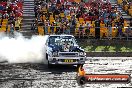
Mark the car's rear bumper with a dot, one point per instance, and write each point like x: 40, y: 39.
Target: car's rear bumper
x: 67, y: 60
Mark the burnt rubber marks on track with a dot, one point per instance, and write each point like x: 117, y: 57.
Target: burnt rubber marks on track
x: 39, y: 76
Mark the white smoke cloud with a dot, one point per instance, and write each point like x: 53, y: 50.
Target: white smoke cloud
x: 22, y: 50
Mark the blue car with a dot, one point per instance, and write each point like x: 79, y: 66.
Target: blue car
x: 63, y: 49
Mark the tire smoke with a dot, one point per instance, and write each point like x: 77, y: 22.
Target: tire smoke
x: 22, y: 50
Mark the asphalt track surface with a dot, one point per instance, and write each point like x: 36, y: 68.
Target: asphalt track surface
x: 36, y: 75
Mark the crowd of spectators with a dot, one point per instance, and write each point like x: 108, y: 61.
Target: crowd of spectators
x: 10, y: 15
x: 126, y: 6
x: 79, y: 18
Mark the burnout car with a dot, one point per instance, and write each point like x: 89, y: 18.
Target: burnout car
x: 63, y: 49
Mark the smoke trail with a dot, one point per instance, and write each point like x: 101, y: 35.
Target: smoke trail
x: 22, y: 50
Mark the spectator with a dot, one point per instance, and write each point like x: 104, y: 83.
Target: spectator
x: 87, y: 31
x: 57, y: 26
x: 56, y: 12
x: 131, y: 23
x: 81, y: 30
x: 17, y: 24
x: 64, y: 29
x: 11, y: 28
x: 68, y: 29
x: 33, y: 26
x: 36, y: 11
x: 52, y: 28
x: 66, y: 11
x: 46, y: 28
x: 120, y: 31
x: 106, y: 21
x: 73, y: 21
x: 61, y: 29
x: 128, y: 32
x: 6, y: 15
x: 121, y: 20
x: 110, y: 31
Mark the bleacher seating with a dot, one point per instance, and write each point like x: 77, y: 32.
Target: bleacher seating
x: 15, y: 10
x: 84, y: 19
x: 126, y: 7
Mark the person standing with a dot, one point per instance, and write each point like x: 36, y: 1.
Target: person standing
x: 12, y: 29
x: 46, y: 28
x: 97, y: 29
x: 87, y: 31
x: 52, y: 28
x: 110, y: 31
x: 17, y: 24
x: 33, y: 26
x: 81, y: 30
x: 120, y: 31
x: 128, y: 32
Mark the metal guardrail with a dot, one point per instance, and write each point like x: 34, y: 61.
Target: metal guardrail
x: 109, y: 54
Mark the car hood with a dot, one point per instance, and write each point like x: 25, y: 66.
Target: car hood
x: 75, y: 48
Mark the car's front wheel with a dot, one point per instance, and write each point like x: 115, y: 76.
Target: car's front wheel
x: 49, y: 65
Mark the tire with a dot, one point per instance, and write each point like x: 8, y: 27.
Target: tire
x: 49, y: 65
x: 46, y: 56
x: 81, y: 80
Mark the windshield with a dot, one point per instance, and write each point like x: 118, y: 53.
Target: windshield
x: 62, y: 40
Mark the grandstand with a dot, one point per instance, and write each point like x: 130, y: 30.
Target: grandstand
x: 77, y: 17
x: 11, y: 13
x: 67, y: 17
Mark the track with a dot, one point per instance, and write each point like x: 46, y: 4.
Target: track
x: 33, y: 75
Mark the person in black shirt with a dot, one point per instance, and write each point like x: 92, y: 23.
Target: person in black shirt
x: 97, y: 29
